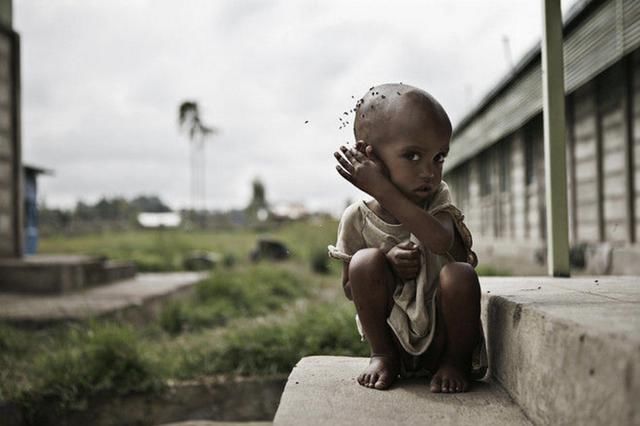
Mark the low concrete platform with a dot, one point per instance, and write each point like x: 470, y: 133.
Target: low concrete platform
x: 566, y: 349
x: 323, y: 391
x: 133, y: 300
x: 59, y: 274
x: 561, y: 351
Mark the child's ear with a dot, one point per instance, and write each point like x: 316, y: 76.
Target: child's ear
x: 369, y: 152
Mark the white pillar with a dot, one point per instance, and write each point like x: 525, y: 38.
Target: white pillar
x: 554, y: 140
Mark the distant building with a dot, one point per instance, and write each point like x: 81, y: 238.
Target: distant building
x: 496, y: 163
x: 289, y: 211
x: 159, y: 220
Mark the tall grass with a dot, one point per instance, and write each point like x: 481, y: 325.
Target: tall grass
x: 228, y: 294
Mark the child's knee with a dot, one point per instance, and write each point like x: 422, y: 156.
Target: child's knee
x: 367, y: 262
x: 459, y: 279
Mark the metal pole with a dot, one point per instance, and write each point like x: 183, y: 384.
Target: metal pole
x: 554, y: 140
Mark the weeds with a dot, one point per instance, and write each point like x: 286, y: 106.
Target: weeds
x: 229, y: 294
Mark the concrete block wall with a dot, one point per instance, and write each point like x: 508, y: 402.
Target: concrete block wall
x: 635, y: 134
x: 603, y: 168
x: 8, y: 184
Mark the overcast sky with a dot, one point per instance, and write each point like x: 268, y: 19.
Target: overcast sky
x: 102, y: 81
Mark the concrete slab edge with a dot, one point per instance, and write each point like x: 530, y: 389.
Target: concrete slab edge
x: 559, y: 371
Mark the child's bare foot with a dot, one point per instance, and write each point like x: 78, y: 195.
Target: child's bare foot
x: 449, y: 379
x: 381, y: 372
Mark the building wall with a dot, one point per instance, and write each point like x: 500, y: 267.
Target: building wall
x: 602, y: 82
x: 634, y: 118
x: 505, y: 199
x: 10, y: 167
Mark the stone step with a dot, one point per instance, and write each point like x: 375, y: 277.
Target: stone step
x: 134, y: 300
x: 110, y: 271
x: 212, y: 423
x: 59, y: 274
x: 566, y: 350
x: 322, y: 390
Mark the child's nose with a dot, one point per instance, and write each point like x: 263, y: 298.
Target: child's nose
x: 426, y: 172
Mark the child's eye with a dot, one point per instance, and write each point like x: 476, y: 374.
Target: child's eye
x: 412, y: 156
x: 440, y: 158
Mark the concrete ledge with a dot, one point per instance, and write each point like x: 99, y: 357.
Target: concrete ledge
x: 323, y: 391
x: 567, y: 350
x: 59, y: 274
x: 136, y: 300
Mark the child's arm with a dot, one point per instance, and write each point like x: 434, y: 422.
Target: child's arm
x: 366, y: 173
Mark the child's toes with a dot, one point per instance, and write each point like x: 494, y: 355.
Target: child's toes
x: 436, y: 384
x: 373, y: 380
x: 445, y: 385
x: 361, y: 379
x: 383, y: 381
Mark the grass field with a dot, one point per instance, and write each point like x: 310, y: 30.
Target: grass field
x: 244, y: 319
x: 164, y: 250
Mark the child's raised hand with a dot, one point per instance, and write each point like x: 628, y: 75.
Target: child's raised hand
x: 405, y: 260
x: 362, y: 167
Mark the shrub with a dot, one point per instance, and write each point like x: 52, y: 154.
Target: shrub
x: 319, y: 260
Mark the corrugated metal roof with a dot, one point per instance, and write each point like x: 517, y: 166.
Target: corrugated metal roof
x: 597, y: 34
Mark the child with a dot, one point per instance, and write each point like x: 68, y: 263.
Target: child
x: 408, y: 263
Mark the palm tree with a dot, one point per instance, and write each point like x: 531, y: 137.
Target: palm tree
x: 189, y: 121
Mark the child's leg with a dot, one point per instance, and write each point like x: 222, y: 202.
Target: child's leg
x: 372, y: 285
x: 459, y: 305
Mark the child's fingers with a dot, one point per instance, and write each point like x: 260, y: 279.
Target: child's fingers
x: 348, y: 153
x: 343, y: 162
x: 408, y: 245
x: 352, y: 154
x: 408, y: 254
x: 344, y: 173
x: 407, y: 263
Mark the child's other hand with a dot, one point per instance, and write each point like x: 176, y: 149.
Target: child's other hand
x: 362, y: 168
x: 405, y: 260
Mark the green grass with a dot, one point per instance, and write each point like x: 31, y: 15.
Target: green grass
x: 241, y: 320
x: 324, y: 329
x: 228, y: 294
x: 76, y: 363
x: 492, y: 271
x: 164, y: 250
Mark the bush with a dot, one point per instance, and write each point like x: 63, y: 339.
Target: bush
x: 319, y: 260
x: 229, y: 260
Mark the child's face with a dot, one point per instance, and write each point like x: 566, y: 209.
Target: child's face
x: 414, y: 153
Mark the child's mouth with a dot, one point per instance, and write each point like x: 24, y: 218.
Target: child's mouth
x: 423, y: 190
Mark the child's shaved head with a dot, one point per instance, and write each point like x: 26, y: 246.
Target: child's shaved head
x: 389, y: 109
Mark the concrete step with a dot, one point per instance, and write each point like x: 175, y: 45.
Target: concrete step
x: 212, y: 423
x: 59, y: 274
x: 134, y: 300
x: 566, y: 350
x: 109, y: 271
x: 322, y: 390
